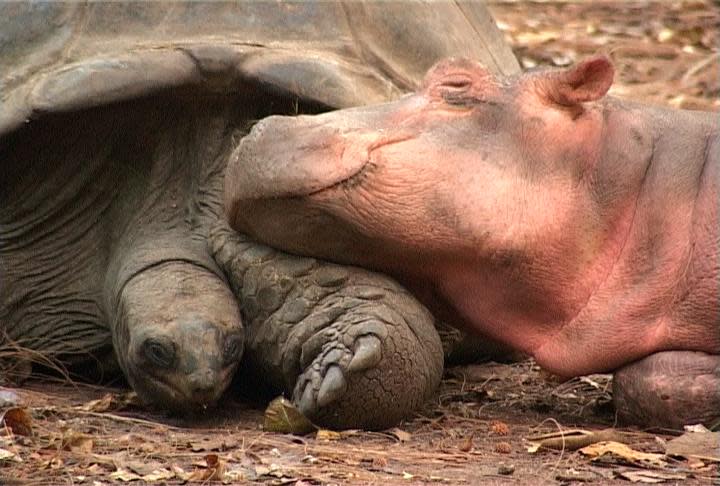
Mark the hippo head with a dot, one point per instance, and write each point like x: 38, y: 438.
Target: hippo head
x: 465, y: 168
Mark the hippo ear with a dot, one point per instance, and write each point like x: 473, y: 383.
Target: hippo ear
x: 588, y: 80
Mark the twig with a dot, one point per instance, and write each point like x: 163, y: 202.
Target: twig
x: 116, y: 418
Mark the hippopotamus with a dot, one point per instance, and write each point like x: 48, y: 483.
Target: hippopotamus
x: 574, y: 226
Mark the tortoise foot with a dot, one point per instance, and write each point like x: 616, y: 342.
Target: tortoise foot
x: 669, y: 389
x: 352, y: 347
x: 366, y: 370
x: 325, y: 381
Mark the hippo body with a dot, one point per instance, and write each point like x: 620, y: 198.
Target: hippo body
x: 573, y: 226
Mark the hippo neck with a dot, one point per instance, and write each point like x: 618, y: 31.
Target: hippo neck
x: 608, y: 295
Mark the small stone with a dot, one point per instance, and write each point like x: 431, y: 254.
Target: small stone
x: 8, y: 398
x: 506, y: 469
x: 572, y: 475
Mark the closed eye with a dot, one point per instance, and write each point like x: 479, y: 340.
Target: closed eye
x: 457, y: 84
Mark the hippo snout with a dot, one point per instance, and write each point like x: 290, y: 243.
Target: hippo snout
x: 285, y: 157
x: 278, y: 136
x: 276, y: 125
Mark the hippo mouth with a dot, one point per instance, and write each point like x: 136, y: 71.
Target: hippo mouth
x: 308, y: 161
x: 349, y: 182
x: 283, y: 157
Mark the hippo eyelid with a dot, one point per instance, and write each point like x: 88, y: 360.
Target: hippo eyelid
x: 457, y: 83
x: 460, y: 98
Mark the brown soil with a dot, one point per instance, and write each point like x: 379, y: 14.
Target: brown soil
x: 476, y: 430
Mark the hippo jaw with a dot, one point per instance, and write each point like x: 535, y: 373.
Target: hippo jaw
x: 179, y: 337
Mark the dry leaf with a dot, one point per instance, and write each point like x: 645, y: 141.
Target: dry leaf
x: 110, y: 401
x: 696, y: 428
x: 214, y: 470
x: 571, y: 440
x: 18, y: 420
x: 282, y: 416
x: 324, y: 434
x: 76, y: 442
x: 142, y: 468
x: 95, y: 470
x: 180, y: 473
x: 6, y: 455
x: 125, y: 476
x: 272, y: 470
x: 101, y: 405
x: 400, y: 434
x: 651, y: 476
x: 535, y: 37
x: 219, y: 444
x: 665, y: 35
x: 235, y: 475
x: 161, y: 474
x: 467, y: 444
x: 625, y: 454
x: 697, y: 445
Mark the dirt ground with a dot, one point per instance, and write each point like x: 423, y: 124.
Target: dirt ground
x: 482, y: 422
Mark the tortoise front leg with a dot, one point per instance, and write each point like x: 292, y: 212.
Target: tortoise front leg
x: 352, y: 347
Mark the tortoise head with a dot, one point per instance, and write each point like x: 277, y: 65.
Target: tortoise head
x: 178, y: 336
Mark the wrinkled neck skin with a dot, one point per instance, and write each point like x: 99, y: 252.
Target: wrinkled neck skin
x: 161, y: 284
x: 621, y: 265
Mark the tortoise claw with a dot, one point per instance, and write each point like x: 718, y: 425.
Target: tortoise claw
x: 306, y: 404
x: 368, y: 353
x: 333, y: 386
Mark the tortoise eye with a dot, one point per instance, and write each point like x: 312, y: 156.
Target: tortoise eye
x: 233, y: 350
x: 159, y: 353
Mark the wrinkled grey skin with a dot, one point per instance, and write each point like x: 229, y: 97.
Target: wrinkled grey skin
x: 116, y: 122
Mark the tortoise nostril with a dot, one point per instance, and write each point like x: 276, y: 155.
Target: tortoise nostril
x: 202, y: 383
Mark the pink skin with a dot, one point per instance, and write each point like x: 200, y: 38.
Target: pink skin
x: 575, y: 227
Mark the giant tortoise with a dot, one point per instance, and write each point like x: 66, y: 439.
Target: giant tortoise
x: 116, y: 122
